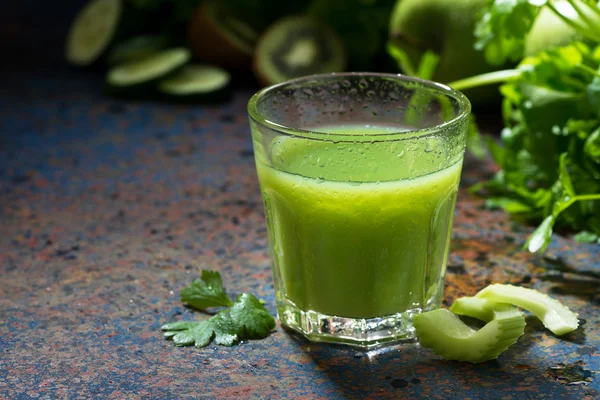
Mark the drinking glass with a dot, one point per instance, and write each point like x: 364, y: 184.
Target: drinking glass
x: 359, y: 174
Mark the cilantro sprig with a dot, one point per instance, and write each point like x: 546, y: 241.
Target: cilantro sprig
x: 246, y: 318
x: 206, y: 292
x: 550, y: 147
x: 504, y: 25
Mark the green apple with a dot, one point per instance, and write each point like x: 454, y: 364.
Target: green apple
x: 445, y: 27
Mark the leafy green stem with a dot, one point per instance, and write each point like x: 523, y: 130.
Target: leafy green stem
x: 594, y: 7
x: 591, y: 24
x: 587, y: 197
x: 485, y: 79
x: 427, y: 65
x: 589, y: 70
x: 581, y: 29
x: 401, y: 58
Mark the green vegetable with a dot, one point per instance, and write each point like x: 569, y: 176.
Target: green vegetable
x: 445, y: 28
x: 206, y: 292
x: 246, y: 319
x: 550, y: 155
x: 197, y: 83
x: 251, y: 318
x: 443, y: 332
x: 555, y: 316
x: 547, y: 20
x: 136, y: 47
x: 219, y: 327
x: 92, y: 31
x: 587, y: 237
x: 504, y: 28
x: 144, y: 73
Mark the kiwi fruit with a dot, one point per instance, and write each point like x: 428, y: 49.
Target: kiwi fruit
x: 297, y: 46
x: 218, y: 37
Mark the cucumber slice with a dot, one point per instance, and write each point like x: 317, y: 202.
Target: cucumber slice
x: 196, y: 82
x: 135, y: 48
x: 92, y: 31
x: 444, y: 333
x: 145, y: 72
x: 555, y: 316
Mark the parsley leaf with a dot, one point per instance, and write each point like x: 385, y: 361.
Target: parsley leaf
x: 503, y: 28
x: 593, y: 93
x: 246, y: 319
x: 206, y: 292
x: 587, y: 237
x: 225, y: 329
x: 251, y: 317
x: 186, y: 333
x: 219, y: 327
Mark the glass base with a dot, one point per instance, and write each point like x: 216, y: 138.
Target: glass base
x: 357, y: 332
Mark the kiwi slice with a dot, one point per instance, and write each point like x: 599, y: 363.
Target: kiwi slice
x: 92, y: 31
x: 297, y: 46
x: 218, y: 37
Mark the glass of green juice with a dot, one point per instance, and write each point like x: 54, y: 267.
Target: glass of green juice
x: 359, y: 174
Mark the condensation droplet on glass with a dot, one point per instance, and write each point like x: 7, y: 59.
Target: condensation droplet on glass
x: 370, y: 93
x: 430, y: 145
x: 346, y: 83
x: 363, y: 84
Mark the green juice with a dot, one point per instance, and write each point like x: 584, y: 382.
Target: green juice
x: 358, y: 230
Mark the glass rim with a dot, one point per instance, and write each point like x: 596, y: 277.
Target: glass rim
x: 462, y: 100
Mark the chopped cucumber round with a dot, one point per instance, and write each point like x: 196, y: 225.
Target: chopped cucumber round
x: 555, y: 316
x: 92, y: 31
x: 444, y: 333
x: 146, y: 71
x: 136, y: 47
x: 200, y: 82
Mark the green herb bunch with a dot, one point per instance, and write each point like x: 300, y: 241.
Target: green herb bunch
x: 246, y: 318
